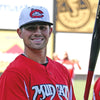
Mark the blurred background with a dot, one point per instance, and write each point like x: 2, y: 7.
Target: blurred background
x: 72, y: 32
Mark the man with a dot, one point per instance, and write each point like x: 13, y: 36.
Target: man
x: 68, y: 64
x: 33, y: 75
x: 96, y: 90
x: 56, y: 58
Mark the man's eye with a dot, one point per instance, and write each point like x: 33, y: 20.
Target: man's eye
x: 31, y: 28
x: 43, y: 28
x: 35, y: 27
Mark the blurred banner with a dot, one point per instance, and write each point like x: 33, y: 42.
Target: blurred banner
x: 9, y: 13
x: 10, y: 47
x: 10, y: 10
x: 10, y: 42
x: 75, y: 15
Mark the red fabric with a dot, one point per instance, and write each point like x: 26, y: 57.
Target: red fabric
x: 25, y: 79
x: 97, y: 90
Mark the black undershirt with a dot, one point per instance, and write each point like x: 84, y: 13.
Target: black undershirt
x: 45, y: 64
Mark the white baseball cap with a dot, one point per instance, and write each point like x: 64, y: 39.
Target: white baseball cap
x: 34, y: 14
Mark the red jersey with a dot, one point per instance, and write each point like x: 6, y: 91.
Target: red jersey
x: 25, y: 79
x: 96, y: 91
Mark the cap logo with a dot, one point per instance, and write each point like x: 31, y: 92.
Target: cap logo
x: 36, y: 13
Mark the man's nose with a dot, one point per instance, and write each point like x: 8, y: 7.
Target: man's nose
x: 37, y: 30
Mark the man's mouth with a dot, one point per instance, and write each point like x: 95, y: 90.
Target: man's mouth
x: 37, y: 40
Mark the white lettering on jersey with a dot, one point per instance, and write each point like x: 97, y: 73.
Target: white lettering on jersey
x: 62, y: 91
x: 47, y: 90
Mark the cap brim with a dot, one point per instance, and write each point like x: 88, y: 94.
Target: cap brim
x: 36, y: 22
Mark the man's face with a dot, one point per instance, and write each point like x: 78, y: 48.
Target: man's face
x: 35, y: 36
x: 65, y: 55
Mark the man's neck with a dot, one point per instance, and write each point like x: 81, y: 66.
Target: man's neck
x: 37, y: 56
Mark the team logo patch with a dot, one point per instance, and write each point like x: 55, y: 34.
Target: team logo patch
x: 36, y: 13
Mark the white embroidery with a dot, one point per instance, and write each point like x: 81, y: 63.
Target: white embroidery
x: 46, y: 91
x: 70, y: 93
x: 49, y: 90
x: 26, y: 90
x: 62, y: 90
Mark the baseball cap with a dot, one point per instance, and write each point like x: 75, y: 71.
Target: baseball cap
x: 34, y: 14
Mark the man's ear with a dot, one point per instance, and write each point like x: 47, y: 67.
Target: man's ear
x: 19, y: 31
x: 50, y: 31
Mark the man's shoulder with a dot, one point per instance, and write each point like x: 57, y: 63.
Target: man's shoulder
x: 17, y: 63
x: 17, y: 66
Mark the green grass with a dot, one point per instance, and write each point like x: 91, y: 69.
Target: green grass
x: 79, y: 88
